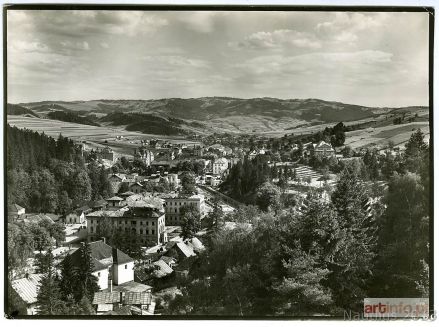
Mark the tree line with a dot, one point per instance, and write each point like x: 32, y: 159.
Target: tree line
x: 323, y: 258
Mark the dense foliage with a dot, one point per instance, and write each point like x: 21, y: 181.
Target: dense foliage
x: 145, y: 123
x: 325, y: 257
x: 48, y: 175
x: 71, y: 117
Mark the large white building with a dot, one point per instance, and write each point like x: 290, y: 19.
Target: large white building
x: 173, y: 207
x: 219, y: 166
x: 142, y: 216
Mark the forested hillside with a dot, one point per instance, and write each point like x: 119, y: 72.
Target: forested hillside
x: 14, y: 109
x: 71, y: 117
x: 48, y: 175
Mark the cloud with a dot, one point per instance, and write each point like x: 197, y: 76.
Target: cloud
x: 199, y: 21
x: 278, y: 39
x: 85, y: 23
x: 344, y: 27
x: 337, y: 67
x: 176, y: 61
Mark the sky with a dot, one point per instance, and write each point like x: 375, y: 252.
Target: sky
x: 373, y: 59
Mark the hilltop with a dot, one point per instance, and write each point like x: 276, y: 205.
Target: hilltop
x: 220, y: 114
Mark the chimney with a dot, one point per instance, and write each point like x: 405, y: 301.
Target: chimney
x: 110, y: 284
x: 103, y: 239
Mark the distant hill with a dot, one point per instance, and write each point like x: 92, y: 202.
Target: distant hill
x: 145, y: 123
x: 71, y: 117
x: 13, y: 109
x: 224, y: 114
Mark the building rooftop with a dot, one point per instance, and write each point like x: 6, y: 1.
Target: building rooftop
x: 27, y: 288
x: 114, y: 198
x: 102, y: 256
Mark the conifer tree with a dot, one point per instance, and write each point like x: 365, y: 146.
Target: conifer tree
x: 49, y: 296
x: 87, y: 283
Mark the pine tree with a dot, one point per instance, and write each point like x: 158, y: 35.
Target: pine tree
x: 87, y: 283
x: 352, y: 264
x: 49, y: 296
x: 68, y: 278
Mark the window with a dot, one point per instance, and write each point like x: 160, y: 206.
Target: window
x: 141, y: 231
x: 153, y: 223
x: 152, y: 232
x: 147, y: 231
x: 133, y: 222
x: 91, y: 229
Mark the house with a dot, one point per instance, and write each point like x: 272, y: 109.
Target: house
x: 15, y: 211
x: 183, y: 250
x: 144, y: 219
x: 108, y: 264
x: 162, y: 269
x: 77, y: 216
x: 27, y: 290
x: 106, y: 154
x: 173, y: 207
x: 219, y: 166
x: 198, y: 151
x: 255, y: 153
x: 117, y: 178
x: 114, y: 201
x: 173, y: 180
x: 136, y: 188
x: 323, y: 150
x: 122, y: 302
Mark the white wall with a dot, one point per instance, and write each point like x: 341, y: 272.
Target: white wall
x: 122, y: 275
x: 102, y: 279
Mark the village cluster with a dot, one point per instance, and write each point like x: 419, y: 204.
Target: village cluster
x: 154, y: 217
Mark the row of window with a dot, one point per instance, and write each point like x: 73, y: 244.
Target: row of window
x: 121, y: 222
x: 146, y: 231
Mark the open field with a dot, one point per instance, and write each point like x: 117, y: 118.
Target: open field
x: 380, y: 136
x: 97, y: 136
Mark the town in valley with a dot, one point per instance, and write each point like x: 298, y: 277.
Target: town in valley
x: 212, y: 206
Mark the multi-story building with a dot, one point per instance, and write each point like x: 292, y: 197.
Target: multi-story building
x: 323, y: 150
x: 106, y: 153
x: 143, y: 219
x: 173, y: 207
x: 219, y: 166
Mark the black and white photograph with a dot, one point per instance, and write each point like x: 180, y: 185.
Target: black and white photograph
x: 218, y: 162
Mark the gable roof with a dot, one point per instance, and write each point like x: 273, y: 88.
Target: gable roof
x: 102, y: 256
x: 186, y: 250
x: 196, y: 244
x: 323, y: 144
x: 164, y: 269
x: 106, y: 297
x: 27, y: 288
